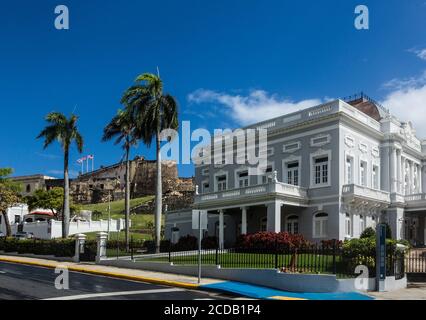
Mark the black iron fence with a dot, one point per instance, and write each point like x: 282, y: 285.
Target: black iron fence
x: 310, y: 260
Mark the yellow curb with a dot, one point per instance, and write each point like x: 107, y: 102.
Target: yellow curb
x: 104, y: 273
x: 285, y: 298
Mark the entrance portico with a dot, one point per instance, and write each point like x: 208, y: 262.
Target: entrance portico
x: 274, y: 216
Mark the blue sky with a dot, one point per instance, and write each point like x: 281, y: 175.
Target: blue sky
x: 228, y: 63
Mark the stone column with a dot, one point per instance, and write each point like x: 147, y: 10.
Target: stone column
x: 393, y: 170
x: 411, y: 178
x: 418, y: 178
x: 80, y: 240
x: 101, y: 240
x: 398, y: 166
x: 396, y: 222
x: 244, y: 220
x: 402, y: 174
x: 274, y: 216
x: 221, y: 230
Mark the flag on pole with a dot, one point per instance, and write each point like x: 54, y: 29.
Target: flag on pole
x: 91, y: 157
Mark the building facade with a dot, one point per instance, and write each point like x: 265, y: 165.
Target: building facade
x: 333, y: 170
x: 109, y: 182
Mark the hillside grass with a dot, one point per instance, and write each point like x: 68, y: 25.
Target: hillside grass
x: 139, y: 223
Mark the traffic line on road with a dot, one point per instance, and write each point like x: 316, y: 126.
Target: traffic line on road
x: 98, y: 272
x: 114, y: 294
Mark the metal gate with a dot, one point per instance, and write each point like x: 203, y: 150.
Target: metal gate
x: 88, y: 252
x: 415, y: 265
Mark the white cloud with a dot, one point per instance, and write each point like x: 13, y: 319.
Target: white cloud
x: 258, y: 105
x: 60, y: 173
x: 406, y: 83
x: 407, y: 101
x: 421, y: 53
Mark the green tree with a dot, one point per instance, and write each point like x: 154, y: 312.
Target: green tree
x: 154, y: 112
x: 122, y: 127
x: 52, y: 199
x: 65, y: 131
x: 9, y: 195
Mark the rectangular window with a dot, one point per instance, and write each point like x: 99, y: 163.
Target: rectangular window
x: 293, y: 173
x: 363, y: 173
x: 375, y: 177
x: 266, y: 178
x: 361, y: 224
x: 17, y: 219
x: 221, y: 183
x: 349, y: 170
x: 321, y: 171
x: 243, y: 179
x: 348, y: 225
x: 206, y: 187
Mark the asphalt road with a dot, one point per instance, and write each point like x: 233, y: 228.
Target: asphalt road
x: 21, y: 282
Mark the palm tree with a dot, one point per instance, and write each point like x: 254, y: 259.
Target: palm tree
x: 154, y: 111
x: 122, y: 128
x: 65, y: 131
x: 9, y: 196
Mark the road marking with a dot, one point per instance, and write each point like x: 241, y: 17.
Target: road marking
x: 285, y: 298
x: 2, y: 272
x: 114, y: 294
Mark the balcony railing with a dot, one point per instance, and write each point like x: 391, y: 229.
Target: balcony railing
x: 278, y: 188
x: 415, y: 197
x: 365, y: 192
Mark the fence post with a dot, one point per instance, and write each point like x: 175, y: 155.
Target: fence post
x: 170, y: 253
x: 131, y: 247
x: 101, y: 246
x: 334, y: 256
x: 276, y: 253
x: 217, y: 255
x: 80, y: 240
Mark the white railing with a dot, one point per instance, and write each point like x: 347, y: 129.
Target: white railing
x: 365, y: 192
x: 415, y: 197
x: 272, y: 187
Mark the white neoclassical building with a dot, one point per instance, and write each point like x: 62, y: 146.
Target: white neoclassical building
x: 333, y: 170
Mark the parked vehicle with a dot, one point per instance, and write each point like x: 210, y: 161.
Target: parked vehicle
x: 2, y: 235
x: 24, y: 235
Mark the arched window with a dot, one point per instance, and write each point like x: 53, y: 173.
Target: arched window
x: 264, y: 224
x: 348, y: 225
x: 320, y: 225
x: 293, y: 224
x: 28, y: 188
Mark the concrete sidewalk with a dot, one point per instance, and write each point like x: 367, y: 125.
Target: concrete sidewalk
x: 187, y: 282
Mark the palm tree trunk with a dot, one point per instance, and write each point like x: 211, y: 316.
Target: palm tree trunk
x: 158, y: 198
x: 66, y: 207
x: 127, y: 198
x: 7, y: 223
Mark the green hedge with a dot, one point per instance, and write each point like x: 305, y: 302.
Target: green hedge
x: 367, y: 246
x: 57, y: 248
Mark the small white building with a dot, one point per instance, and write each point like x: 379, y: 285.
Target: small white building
x: 15, y: 214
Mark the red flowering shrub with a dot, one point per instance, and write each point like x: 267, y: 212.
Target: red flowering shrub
x: 271, y: 240
x: 329, y: 244
x: 186, y: 243
x: 209, y: 243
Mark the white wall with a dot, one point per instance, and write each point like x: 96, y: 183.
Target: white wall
x: 19, y: 210
x: 53, y: 229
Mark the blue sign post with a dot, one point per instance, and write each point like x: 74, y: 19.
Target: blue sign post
x: 380, y: 257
